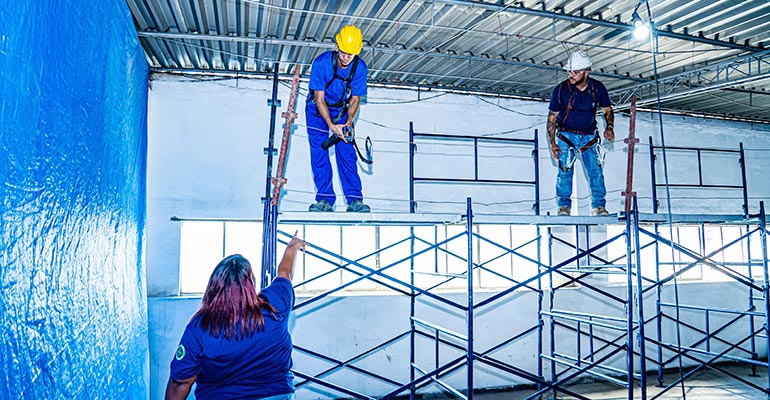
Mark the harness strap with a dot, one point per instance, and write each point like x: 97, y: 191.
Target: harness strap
x: 346, y: 95
x: 572, y: 99
x: 584, y: 148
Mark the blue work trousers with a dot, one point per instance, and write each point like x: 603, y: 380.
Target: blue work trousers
x: 590, y: 159
x: 347, y: 167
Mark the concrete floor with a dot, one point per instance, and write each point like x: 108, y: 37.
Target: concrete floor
x: 705, y: 385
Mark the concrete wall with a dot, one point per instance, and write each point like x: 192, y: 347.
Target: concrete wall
x: 206, y: 160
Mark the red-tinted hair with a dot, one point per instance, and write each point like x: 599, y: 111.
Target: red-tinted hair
x: 231, y: 305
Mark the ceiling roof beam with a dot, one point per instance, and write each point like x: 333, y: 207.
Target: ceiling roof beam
x: 741, y: 70
x: 598, y: 22
x: 372, y: 50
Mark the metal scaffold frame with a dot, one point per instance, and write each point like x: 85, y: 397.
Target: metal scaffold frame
x: 600, y: 341
x: 644, y: 346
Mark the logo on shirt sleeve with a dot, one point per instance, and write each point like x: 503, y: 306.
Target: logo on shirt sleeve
x: 180, y: 352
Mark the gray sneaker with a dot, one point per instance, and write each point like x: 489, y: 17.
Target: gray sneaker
x: 564, y: 211
x: 321, y: 206
x: 600, y: 212
x: 358, y: 206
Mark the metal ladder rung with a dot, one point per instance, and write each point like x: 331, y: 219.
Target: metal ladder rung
x: 442, y: 274
x: 603, y: 266
x: 439, y: 329
x: 588, y: 271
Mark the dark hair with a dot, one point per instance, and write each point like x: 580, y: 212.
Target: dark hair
x: 231, y: 305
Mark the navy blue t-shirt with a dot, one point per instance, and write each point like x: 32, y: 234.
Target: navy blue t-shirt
x: 322, y: 72
x: 251, y: 367
x: 582, y: 116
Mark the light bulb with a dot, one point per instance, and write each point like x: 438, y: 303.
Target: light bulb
x: 641, y: 30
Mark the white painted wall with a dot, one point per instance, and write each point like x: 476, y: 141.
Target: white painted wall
x: 206, y: 160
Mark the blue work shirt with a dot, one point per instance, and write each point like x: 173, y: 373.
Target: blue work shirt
x: 322, y: 72
x: 250, y: 367
x: 582, y: 116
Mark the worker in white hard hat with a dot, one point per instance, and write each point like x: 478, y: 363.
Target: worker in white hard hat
x: 573, y: 133
x: 337, y: 83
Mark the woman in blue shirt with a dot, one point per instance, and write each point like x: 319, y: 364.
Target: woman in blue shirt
x: 238, y: 345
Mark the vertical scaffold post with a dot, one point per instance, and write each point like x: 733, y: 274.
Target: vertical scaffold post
x: 654, y: 187
x: 551, y: 326
x: 640, y: 306
x: 268, y: 255
x: 629, y: 311
x: 742, y: 161
x: 412, y: 299
x: 751, y: 306
x: 289, y: 116
x: 658, y: 307
x: 535, y: 155
x: 631, y: 141
x: 412, y: 148
x: 538, y: 242
x: 469, y: 354
x: 766, y: 286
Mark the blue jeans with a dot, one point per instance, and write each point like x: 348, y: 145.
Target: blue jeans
x: 347, y: 160
x: 592, y: 168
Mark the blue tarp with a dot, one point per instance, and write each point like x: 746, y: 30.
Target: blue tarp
x: 73, y: 146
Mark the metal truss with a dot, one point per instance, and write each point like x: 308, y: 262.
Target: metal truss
x: 738, y: 71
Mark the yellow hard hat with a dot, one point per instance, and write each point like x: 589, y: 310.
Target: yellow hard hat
x: 349, y: 39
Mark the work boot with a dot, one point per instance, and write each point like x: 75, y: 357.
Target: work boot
x: 321, y: 206
x: 564, y: 211
x: 358, y: 206
x: 600, y: 212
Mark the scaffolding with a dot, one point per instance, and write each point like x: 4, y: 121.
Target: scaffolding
x: 620, y: 346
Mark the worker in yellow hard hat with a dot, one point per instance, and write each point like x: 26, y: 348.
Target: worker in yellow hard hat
x: 337, y: 83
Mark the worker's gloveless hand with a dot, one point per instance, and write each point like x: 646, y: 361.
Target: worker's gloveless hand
x: 555, y: 151
x: 296, y: 242
x: 337, y: 130
x: 609, y: 134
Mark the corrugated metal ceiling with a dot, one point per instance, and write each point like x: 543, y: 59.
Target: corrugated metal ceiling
x: 713, y: 52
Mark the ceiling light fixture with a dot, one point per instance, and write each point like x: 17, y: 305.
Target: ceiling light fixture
x: 641, y: 30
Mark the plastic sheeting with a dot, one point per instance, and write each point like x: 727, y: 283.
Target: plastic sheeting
x: 73, y: 137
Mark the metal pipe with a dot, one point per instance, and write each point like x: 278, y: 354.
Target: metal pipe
x: 469, y: 231
x: 412, y: 297
x: 640, y: 307
x: 629, y: 302
x: 766, y: 286
x: 267, y: 256
x: 439, y: 328
x: 540, y: 296
x: 551, y: 327
x: 598, y: 22
x: 742, y: 162
x: 535, y: 155
x: 654, y: 188
x: 631, y: 141
x: 412, y: 149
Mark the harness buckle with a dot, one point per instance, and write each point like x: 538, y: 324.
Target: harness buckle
x: 601, y: 153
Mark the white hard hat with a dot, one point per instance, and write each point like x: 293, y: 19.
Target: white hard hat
x: 578, y: 60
